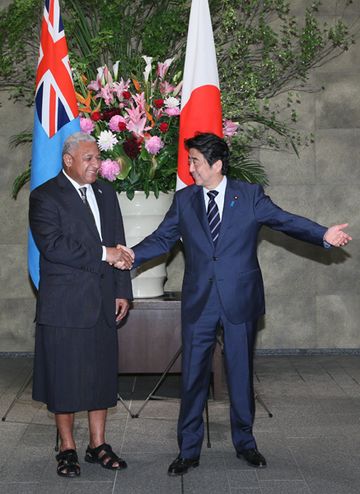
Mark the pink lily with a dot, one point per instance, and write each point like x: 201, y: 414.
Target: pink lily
x: 137, y: 121
x: 162, y: 68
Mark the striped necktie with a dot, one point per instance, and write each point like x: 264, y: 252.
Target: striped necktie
x: 213, y: 215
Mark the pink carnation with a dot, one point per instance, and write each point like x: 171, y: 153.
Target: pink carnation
x: 230, y: 128
x: 154, y: 144
x: 109, y: 169
x: 172, y: 112
x: 86, y: 125
x: 115, y: 121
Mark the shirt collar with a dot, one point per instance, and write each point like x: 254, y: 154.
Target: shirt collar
x: 220, y: 188
x: 74, y: 183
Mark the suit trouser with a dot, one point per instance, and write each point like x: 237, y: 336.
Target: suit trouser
x: 198, y: 340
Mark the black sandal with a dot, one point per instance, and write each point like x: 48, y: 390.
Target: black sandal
x: 68, y: 463
x: 104, y: 455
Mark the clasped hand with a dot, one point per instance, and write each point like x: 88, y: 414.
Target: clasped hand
x: 120, y: 257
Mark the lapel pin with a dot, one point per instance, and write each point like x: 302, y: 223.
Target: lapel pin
x: 233, y: 201
x: 100, y: 191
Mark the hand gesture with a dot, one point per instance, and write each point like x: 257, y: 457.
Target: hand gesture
x: 120, y: 257
x: 336, y: 236
x: 130, y: 252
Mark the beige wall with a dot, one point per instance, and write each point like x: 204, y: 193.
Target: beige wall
x: 312, y: 295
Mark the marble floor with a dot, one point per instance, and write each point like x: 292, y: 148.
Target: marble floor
x: 312, y: 442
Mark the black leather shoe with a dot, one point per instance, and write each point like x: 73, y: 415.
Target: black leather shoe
x: 252, y: 457
x: 180, y: 466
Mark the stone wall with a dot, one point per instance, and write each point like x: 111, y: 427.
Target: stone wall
x: 312, y: 294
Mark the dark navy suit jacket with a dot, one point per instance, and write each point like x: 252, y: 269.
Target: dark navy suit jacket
x: 74, y: 282
x: 232, y: 264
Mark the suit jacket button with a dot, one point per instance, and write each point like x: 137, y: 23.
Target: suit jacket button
x: 215, y: 258
x: 210, y: 279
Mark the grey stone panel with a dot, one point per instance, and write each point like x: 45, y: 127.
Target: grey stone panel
x: 305, y: 110
x: 290, y: 322
x: 287, y: 264
x: 18, y: 117
x: 338, y: 106
x: 330, y: 7
x: 337, y: 320
x: 297, y: 199
x: 17, y: 331
x: 337, y: 156
x: 340, y: 271
x: 286, y: 168
x: 13, y: 162
x: 13, y: 272
x: 338, y: 204
x: 14, y: 219
x: 346, y: 63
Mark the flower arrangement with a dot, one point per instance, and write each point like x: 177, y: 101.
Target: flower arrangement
x: 135, y: 124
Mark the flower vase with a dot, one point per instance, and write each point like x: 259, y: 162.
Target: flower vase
x: 141, y: 216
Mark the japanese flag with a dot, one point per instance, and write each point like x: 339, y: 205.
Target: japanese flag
x: 200, y: 102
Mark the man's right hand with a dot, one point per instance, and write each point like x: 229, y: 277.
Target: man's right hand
x: 120, y: 256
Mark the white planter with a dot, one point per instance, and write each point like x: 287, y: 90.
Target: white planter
x: 141, y: 217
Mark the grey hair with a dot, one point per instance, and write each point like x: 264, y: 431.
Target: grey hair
x: 74, y: 140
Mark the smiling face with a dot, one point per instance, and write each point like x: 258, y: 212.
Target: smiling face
x: 204, y: 175
x: 83, y: 162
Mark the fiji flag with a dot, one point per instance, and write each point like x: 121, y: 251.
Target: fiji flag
x: 56, y: 112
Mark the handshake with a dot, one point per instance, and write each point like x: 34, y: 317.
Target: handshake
x: 120, y: 257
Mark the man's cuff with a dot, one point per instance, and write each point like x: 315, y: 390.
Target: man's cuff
x: 326, y: 244
x: 103, y: 258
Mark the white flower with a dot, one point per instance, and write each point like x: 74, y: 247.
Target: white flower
x: 106, y: 140
x: 100, y: 74
x: 171, y: 102
x: 116, y: 69
x: 147, y: 71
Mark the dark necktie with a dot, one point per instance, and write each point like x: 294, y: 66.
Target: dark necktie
x: 82, y: 191
x: 213, y: 215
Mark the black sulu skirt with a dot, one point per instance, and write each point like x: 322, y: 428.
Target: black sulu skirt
x: 76, y: 369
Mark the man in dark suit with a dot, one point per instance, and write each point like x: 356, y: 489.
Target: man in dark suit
x: 218, y: 220
x: 76, y: 222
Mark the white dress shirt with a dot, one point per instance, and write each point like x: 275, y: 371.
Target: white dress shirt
x: 90, y: 196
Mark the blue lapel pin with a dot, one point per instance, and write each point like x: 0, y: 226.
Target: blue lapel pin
x: 233, y: 201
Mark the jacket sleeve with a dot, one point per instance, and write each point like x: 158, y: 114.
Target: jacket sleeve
x: 54, y: 245
x: 163, y: 238
x: 268, y: 213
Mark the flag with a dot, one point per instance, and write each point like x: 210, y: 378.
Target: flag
x: 56, y: 112
x: 200, y: 101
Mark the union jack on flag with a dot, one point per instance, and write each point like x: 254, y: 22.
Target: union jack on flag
x: 55, y: 97
x: 56, y: 112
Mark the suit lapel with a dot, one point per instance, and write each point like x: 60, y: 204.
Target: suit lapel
x: 230, y: 206
x: 75, y: 204
x: 199, y: 208
x: 100, y: 202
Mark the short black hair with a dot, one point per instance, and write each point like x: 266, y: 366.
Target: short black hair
x: 212, y: 147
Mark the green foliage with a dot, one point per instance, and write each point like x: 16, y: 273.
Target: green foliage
x: 265, y: 55
x: 19, y: 47
x: 264, y: 51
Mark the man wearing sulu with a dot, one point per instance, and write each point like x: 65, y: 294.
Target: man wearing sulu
x: 218, y: 220
x: 76, y: 223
